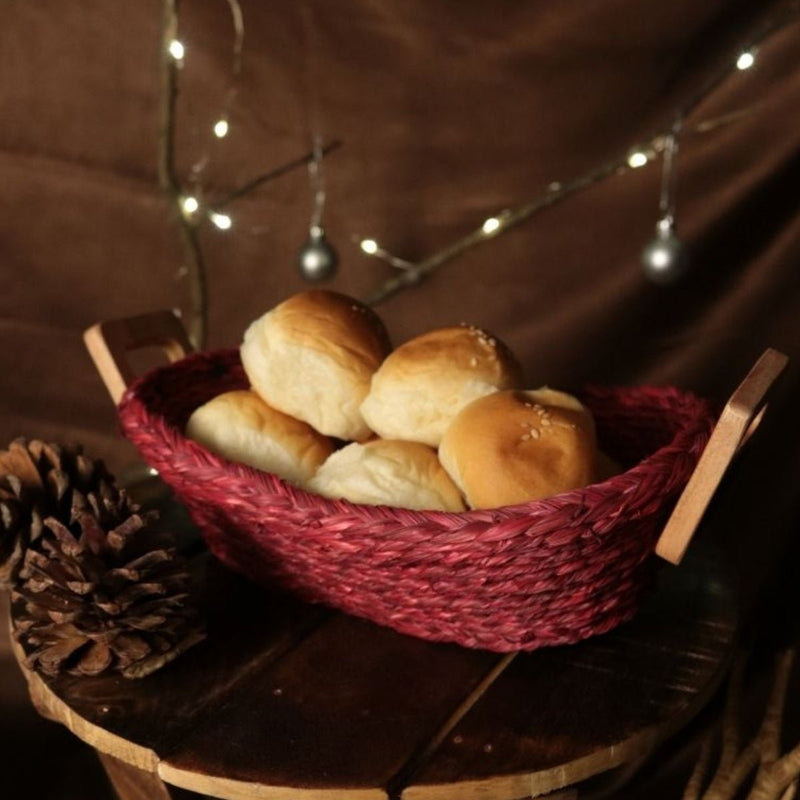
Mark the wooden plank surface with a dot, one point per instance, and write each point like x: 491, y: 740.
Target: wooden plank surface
x: 571, y: 712
x: 339, y: 715
x: 286, y: 700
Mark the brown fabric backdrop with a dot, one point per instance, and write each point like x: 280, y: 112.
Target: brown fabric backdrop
x: 447, y: 112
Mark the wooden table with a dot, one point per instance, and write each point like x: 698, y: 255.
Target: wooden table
x: 291, y: 701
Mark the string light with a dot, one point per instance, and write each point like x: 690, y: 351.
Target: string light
x: 411, y: 272
x: 190, y: 205
x: 637, y: 159
x: 491, y: 225
x: 558, y: 191
x: 221, y: 128
x: 745, y: 60
x: 222, y: 221
x: 177, y: 50
x: 372, y: 248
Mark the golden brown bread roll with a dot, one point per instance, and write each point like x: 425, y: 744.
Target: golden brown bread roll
x: 516, y: 446
x: 240, y: 426
x: 425, y: 382
x: 313, y: 355
x: 388, y: 472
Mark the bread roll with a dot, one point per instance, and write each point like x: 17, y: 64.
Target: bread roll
x: 240, y: 426
x: 388, y: 472
x: 425, y: 382
x: 514, y: 446
x: 312, y: 356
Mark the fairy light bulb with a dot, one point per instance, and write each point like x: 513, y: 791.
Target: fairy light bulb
x: 222, y: 221
x: 745, y: 60
x: 369, y: 246
x: 221, y: 128
x: 490, y: 226
x: 177, y: 50
x: 190, y: 205
x: 637, y: 159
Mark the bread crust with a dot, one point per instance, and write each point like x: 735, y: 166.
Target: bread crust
x: 516, y: 446
x: 241, y: 427
x: 426, y: 381
x: 388, y: 472
x: 313, y: 356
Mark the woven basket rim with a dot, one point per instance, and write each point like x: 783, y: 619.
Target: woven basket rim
x: 253, y: 479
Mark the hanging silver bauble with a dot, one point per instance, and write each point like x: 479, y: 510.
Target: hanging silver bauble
x: 665, y: 259
x: 317, y: 260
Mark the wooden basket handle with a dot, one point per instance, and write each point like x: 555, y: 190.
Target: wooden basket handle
x: 739, y: 419
x: 109, y: 342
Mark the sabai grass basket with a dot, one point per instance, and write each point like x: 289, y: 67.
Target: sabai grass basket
x: 543, y: 573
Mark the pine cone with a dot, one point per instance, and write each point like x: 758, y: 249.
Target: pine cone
x: 36, y: 481
x: 99, y: 587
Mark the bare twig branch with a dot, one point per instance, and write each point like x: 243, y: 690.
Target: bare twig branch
x: 195, y: 265
x: 776, y: 773
x: 277, y: 172
x: 776, y: 777
x: 694, y: 786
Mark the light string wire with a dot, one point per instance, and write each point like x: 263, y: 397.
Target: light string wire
x: 317, y: 180
x: 313, y: 112
x: 666, y: 200
x: 412, y: 273
x: 222, y: 123
x: 187, y: 206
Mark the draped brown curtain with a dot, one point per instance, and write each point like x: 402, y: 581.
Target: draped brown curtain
x: 447, y: 112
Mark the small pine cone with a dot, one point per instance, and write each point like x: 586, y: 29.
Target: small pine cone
x: 93, y: 600
x: 39, y: 480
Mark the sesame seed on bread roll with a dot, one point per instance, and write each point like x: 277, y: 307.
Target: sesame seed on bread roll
x: 388, y: 472
x: 516, y: 446
x: 423, y: 384
x: 313, y: 355
x: 241, y: 427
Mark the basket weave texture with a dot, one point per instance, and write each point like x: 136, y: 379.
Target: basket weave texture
x: 549, y: 572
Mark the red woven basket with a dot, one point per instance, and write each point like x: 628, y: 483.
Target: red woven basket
x: 520, y: 577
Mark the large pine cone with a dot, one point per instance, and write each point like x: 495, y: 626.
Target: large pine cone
x: 37, y: 480
x: 98, y: 587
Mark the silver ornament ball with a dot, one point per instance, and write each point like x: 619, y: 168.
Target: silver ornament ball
x: 317, y: 260
x: 665, y: 259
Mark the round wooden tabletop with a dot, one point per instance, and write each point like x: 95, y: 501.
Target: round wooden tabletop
x: 292, y: 701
